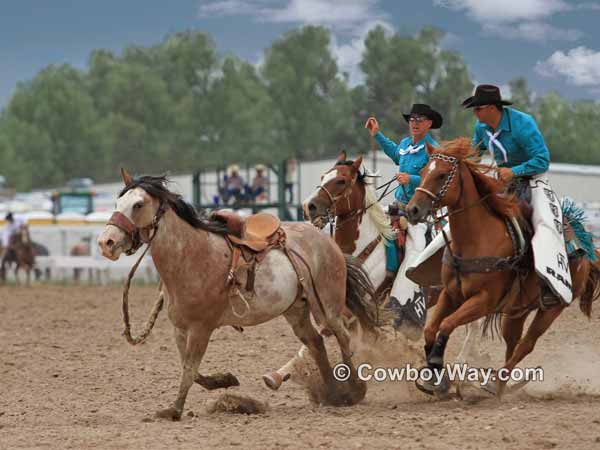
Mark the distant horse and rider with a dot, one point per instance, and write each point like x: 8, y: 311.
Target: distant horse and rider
x: 17, y: 249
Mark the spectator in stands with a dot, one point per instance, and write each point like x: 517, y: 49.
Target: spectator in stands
x: 290, y: 175
x: 258, y: 190
x: 234, y: 185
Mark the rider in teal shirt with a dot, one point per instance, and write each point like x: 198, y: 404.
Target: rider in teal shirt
x: 410, y: 159
x: 511, y: 136
x: 410, y: 156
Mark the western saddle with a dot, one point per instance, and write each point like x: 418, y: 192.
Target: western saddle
x: 254, y: 232
x: 250, y: 239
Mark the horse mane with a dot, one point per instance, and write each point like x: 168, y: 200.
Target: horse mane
x: 156, y: 186
x: 505, y: 205
x: 376, y: 212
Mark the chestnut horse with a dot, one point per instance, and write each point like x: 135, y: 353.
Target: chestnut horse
x: 478, y: 212
x: 194, y: 256
x: 361, y: 228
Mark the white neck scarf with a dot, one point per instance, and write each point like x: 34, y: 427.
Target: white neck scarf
x: 494, y: 141
x: 410, y: 149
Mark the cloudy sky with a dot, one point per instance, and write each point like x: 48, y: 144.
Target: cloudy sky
x: 554, y: 43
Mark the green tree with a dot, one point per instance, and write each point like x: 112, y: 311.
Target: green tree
x: 241, y: 117
x: 57, y: 115
x: 521, y: 95
x: 401, y: 70
x: 302, y: 80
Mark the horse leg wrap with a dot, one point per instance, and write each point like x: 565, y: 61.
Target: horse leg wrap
x: 435, y: 358
x: 428, y: 348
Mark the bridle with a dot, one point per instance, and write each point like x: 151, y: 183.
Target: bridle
x: 342, y: 219
x: 332, y: 209
x: 123, y: 223
x: 437, y: 198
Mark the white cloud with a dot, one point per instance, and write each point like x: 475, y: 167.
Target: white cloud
x: 330, y: 13
x: 533, y: 31
x: 327, y: 12
x: 351, y: 21
x: 495, y: 11
x: 349, y: 55
x: 519, y: 19
x: 579, y: 66
x: 229, y: 7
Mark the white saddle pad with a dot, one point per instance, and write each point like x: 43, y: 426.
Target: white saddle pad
x: 548, y: 243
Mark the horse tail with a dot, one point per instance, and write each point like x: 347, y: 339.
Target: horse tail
x: 360, y: 295
x: 592, y: 287
x: 575, y: 217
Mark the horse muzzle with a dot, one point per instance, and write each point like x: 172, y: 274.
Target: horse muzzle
x: 416, y: 213
x: 112, y: 242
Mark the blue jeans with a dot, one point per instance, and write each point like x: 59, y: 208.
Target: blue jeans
x: 391, y: 256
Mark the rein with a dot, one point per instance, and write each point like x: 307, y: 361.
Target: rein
x: 480, y: 265
x: 123, y: 223
x: 332, y: 216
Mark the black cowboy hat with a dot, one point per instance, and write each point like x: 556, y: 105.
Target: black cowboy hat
x: 427, y: 111
x: 485, y: 94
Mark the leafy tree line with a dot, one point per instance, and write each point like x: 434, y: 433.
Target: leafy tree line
x: 178, y: 106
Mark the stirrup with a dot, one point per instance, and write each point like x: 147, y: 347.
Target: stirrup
x: 548, y: 299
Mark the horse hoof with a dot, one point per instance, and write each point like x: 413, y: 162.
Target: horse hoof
x: 274, y: 380
x: 430, y: 388
x: 348, y: 395
x: 169, y: 413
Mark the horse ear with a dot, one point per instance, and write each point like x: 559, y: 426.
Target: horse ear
x: 342, y: 156
x: 357, y: 163
x: 126, y: 177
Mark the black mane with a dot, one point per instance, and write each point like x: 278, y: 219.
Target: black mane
x: 157, y: 187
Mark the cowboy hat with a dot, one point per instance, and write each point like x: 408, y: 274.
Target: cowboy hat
x: 485, y: 94
x: 427, y: 111
x: 233, y: 168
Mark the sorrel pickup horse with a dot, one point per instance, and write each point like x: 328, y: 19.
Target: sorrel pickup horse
x: 304, y: 274
x: 483, y: 273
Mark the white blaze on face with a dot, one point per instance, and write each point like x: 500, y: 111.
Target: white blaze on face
x: 432, y: 166
x: 326, y: 179
x: 115, y: 234
x: 126, y: 202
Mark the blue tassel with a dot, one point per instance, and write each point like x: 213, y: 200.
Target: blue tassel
x: 576, y: 218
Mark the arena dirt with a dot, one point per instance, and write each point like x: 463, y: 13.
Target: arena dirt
x: 68, y: 380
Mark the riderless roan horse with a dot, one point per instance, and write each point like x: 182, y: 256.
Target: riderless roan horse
x: 231, y: 271
x: 487, y: 270
x: 360, y: 228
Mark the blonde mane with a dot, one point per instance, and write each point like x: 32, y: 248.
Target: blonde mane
x: 376, y: 212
